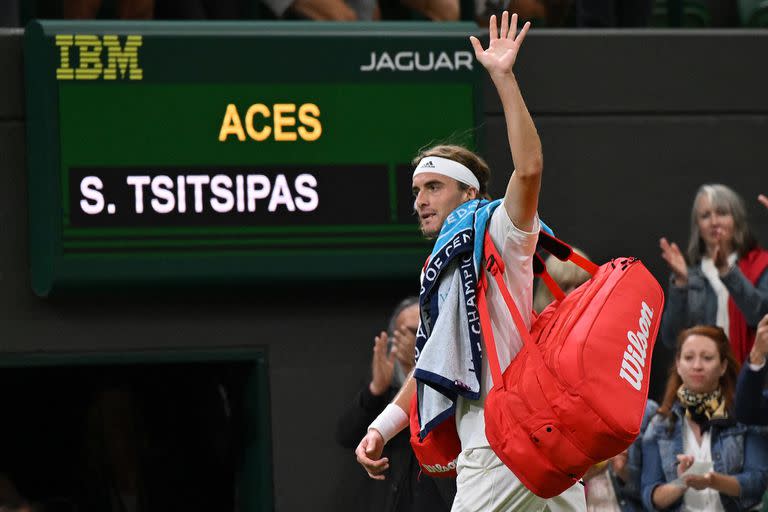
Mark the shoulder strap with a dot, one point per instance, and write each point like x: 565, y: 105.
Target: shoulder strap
x: 494, y: 265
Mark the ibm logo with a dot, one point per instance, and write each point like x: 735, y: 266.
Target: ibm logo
x: 94, y: 62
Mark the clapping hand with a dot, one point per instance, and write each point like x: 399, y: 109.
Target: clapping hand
x: 720, y: 259
x: 382, y: 366
x: 699, y: 482
x: 620, y: 466
x: 684, y: 462
x: 763, y: 200
x: 676, y: 261
x: 760, y: 347
x: 404, y: 347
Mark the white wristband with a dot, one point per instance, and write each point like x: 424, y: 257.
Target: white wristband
x: 390, y: 422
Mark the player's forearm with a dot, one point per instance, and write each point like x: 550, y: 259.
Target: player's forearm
x: 524, y: 142
x: 394, y: 418
x: 405, y: 395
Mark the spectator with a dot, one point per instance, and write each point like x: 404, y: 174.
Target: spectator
x: 200, y: 9
x: 405, y: 489
x: 550, y: 12
x: 751, y: 398
x: 613, y: 13
x: 566, y: 274
x: 323, y: 10
x: 435, y: 10
x: 695, y: 424
x: 126, y: 9
x: 726, y: 283
x: 614, y: 485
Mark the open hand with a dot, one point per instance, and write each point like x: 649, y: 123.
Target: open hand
x: 760, y: 347
x: 676, y: 261
x: 500, y: 56
x: 404, y: 347
x: 382, y: 366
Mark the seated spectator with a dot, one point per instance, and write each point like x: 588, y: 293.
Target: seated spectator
x: 435, y: 10
x: 126, y: 9
x: 751, y: 395
x: 613, y: 13
x: 695, y: 424
x: 725, y: 282
x: 405, y: 488
x: 551, y: 13
x: 324, y: 10
x: 614, y: 485
x: 566, y: 274
x: 200, y: 9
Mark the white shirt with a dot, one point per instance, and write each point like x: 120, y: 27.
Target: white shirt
x: 517, y: 248
x: 707, y: 500
x: 601, y: 496
x: 713, y: 276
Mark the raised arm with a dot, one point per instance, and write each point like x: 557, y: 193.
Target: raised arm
x: 522, y: 196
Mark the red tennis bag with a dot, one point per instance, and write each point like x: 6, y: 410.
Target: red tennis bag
x: 575, y: 393
x: 438, y: 451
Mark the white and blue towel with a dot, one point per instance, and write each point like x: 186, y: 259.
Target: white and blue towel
x: 448, y: 343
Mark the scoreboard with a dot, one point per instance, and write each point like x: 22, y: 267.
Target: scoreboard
x: 242, y: 153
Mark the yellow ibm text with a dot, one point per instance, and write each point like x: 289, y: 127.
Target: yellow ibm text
x: 278, y: 122
x: 121, y: 60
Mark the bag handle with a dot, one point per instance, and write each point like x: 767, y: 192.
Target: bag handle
x: 563, y: 252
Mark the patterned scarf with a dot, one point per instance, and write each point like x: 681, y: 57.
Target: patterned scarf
x: 703, y: 408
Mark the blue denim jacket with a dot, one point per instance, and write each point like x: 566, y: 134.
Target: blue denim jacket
x: 628, y: 493
x: 697, y: 302
x: 737, y: 450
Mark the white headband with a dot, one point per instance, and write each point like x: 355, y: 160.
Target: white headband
x: 449, y: 168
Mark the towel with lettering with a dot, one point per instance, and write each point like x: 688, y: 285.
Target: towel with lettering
x: 449, y: 352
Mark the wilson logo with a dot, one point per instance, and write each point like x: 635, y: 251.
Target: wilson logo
x: 439, y: 468
x: 635, y: 355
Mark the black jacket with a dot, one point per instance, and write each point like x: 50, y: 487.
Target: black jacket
x: 404, y: 489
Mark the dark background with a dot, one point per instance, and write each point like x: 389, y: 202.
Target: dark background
x: 631, y: 122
